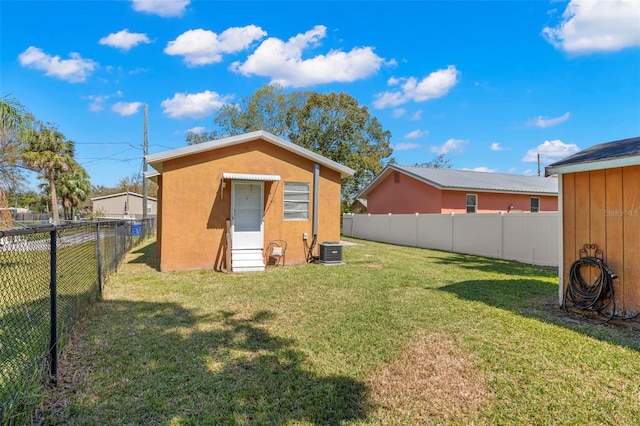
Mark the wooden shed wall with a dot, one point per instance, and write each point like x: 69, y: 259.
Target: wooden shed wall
x: 603, y: 207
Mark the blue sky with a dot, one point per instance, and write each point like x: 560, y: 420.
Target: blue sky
x: 488, y: 84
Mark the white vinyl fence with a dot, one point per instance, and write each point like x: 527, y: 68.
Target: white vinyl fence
x: 524, y: 237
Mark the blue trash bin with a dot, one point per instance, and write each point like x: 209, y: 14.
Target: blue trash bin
x: 136, y: 229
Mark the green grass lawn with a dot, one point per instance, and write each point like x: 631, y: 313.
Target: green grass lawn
x: 397, y: 335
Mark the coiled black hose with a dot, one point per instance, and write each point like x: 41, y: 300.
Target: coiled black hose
x: 596, y: 296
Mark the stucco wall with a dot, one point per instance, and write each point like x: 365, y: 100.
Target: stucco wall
x: 403, y: 194
x: 195, y: 207
x: 603, y: 207
x: 493, y: 202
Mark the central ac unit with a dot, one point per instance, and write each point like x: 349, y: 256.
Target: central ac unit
x: 330, y: 252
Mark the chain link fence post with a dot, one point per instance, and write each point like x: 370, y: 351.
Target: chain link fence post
x: 53, y: 295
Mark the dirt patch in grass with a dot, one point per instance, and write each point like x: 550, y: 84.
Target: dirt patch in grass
x: 71, y: 375
x: 433, y: 380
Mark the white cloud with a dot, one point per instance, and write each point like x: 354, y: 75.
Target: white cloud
x: 405, y: 146
x: 543, y: 122
x: 196, y: 130
x: 482, y: 169
x: 550, y: 151
x: 283, y: 63
x: 138, y: 70
x: 451, y: 145
x: 164, y: 8
x: 194, y: 105
x: 596, y: 26
x: 399, y: 112
x: 203, y: 47
x: 417, y: 116
x: 124, y: 40
x: 495, y: 146
x: 435, y: 85
x: 97, y: 102
x: 126, y: 108
x: 74, y: 70
x: 416, y: 134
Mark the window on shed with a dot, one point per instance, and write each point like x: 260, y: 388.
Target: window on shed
x: 535, y: 204
x: 396, y: 177
x: 296, y: 201
x: 472, y: 203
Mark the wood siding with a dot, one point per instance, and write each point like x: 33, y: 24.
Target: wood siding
x: 603, y: 207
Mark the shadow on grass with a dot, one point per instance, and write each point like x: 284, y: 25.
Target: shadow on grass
x: 538, y: 299
x: 146, y: 255
x: 485, y: 264
x: 166, y: 365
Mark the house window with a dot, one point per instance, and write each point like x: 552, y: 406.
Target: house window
x: 396, y: 177
x: 535, y: 204
x: 472, y: 203
x: 296, y: 201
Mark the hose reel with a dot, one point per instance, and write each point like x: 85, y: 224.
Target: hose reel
x: 594, y: 295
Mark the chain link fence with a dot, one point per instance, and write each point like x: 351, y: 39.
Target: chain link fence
x: 49, y: 277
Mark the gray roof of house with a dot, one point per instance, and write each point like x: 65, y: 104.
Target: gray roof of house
x: 121, y: 194
x: 625, y: 152
x: 466, y: 180
x: 156, y: 160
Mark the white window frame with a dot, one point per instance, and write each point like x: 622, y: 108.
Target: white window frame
x: 474, y: 206
x: 531, y: 205
x: 307, y: 202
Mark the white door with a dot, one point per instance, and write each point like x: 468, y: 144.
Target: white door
x: 246, y: 215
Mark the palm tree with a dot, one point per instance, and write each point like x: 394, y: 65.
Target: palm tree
x: 46, y: 151
x: 73, y: 188
x: 13, y: 118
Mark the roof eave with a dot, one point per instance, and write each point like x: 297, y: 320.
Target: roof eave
x: 586, y: 166
x: 156, y: 160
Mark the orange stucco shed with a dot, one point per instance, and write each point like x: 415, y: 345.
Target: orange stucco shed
x: 600, y: 206
x: 221, y: 202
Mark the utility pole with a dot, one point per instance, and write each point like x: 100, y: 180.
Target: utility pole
x: 144, y: 163
x: 538, y: 164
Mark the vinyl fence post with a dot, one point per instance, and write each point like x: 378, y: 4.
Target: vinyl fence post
x: 417, y: 229
x: 99, y: 258
x: 53, y: 335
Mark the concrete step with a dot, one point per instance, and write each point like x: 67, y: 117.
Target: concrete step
x: 247, y: 260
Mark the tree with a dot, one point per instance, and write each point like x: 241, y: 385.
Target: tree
x: 133, y: 183
x: 27, y: 199
x: 46, y: 151
x: 13, y: 119
x: 438, y: 162
x: 73, y: 187
x: 333, y: 125
x: 194, y: 138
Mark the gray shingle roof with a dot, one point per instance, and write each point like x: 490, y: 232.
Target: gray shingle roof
x: 459, y: 180
x: 604, y: 155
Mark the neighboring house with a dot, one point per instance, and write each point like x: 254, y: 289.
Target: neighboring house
x: 263, y: 187
x: 359, y: 206
x: 124, y: 205
x: 406, y: 190
x: 600, y: 204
